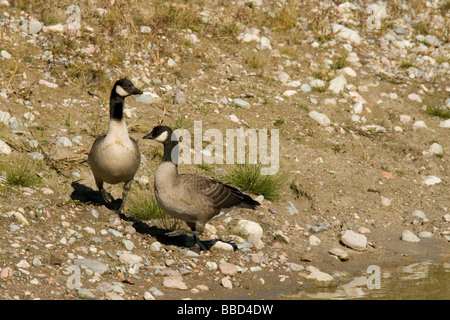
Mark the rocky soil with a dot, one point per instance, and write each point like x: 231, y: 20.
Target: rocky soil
x: 358, y: 90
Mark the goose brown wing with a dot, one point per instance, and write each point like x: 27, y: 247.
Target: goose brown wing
x: 222, y: 196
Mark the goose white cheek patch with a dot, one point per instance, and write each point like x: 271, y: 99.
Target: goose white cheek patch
x: 162, y: 137
x: 121, y: 91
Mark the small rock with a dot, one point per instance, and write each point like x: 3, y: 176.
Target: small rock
x: 226, y: 283
x: 23, y: 264
x: 430, y: 180
x: 64, y: 141
x: 241, y: 103
x: 5, y: 54
x: 6, y: 273
x: 354, y: 240
x: 128, y: 244
x: 179, y: 97
x: 146, y: 97
x: 426, y: 234
x: 156, y: 246
x: 321, y: 118
x: 93, y: 265
x: 156, y: 292
x: 305, y: 88
x: 337, y: 84
x: 86, y: 294
x: 34, y: 27
x: 280, y: 236
x: 314, y: 241
x: 249, y: 227
x: 228, y: 268
x: 148, y: 296
x: 404, y: 118
x: 174, y: 283
x: 255, y: 241
x: 414, y: 97
x: 4, y: 148
x: 432, y: 40
x: 419, y: 125
x: 445, y: 124
x: 224, y: 246
x: 436, y: 148
x: 409, y: 236
x: 295, y: 267
x: 94, y: 213
x: 346, y: 33
x: 115, y: 233
x: 340, y: 253
x: 319, y: 278
x: 419, y: 214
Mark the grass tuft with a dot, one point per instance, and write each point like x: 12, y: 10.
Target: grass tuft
x: 248, y: 178
x: 22, y: 171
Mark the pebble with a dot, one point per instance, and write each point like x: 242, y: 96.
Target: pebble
x: 354, y: 240
x: 445, y: 124
x: 156, y: 246
x: 128, y: 244
x: 34, y: 27
x: 337, y: 84
x: 93, y: 265
x: 86, y: 294
x: 241, y: 103
x: 430, y: 180
x: 174, y: 283
x: 115, y: 233
x: 146, y: 97
x: 321, y: 118
x: 436, y: 148
x: 419, y: 125
x: 409, y: 236
x: 314, y: 241
x: 226, y: 283
x: 319, y: 278
x: 345, y: 33
x: 228, y: 268
x: 222, y: 246
x: 340, y: 253
x: 4, y: 148
x: 305, y: 88
x: 419, y: 214
x: 5, y: 54
x: 426, y: 234
x: 248, y: 227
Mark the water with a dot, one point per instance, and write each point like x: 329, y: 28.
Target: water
x: 417, y: 281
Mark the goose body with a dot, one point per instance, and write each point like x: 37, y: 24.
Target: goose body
x: 191, y: 198
x: 115, y: 157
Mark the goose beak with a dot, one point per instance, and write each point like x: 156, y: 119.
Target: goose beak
x: 136, y: 91
x: 148, y: 136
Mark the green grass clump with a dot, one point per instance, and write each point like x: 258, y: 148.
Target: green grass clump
x: 438, y: 112
x: 248, y: 178
x: 22, y: 172
x: 143, y: 206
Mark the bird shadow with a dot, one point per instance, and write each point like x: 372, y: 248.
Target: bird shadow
x: 87, y: 195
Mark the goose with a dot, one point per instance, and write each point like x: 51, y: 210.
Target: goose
x: 115, y: 157
x: 191, y: 198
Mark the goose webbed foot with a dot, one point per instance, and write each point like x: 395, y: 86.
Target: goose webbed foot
x: 106, y: 196
x: 181, y: 232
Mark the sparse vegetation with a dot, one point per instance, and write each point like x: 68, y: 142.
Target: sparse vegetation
x: 22, y: 171
x: 248, y: 178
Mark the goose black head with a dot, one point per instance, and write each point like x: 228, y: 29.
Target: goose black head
x: 124, y: 88
x: 161, y: 134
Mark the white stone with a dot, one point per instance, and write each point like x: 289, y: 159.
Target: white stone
x: 294, y: 84
x: 321, y: 118
x: 430, y: 180
x: 5, y: 54
x: 4, y: 148
x: 349, y: 72
x: 346, y: 33
x: 409, y: 236
x: 314, y: 241
x: 289, y: 93
x: 249, y: 227
x: 414, y: 97
x: 436, y: 148
x: 404, y: 118
x: 265, y: 44
x: 445, y: 124
x: 48, y: 84
x: 241, y: 103
x: 34, y: 27
x: 337, y: 84
x: 426, y: 234
x: 358, y: 107
x: 171, y: 62
x: 174, y: 283
x: 222, y: 246
x: 354, y: 240
x: 340, y: 253
x: 319, y: 278
x: 419, y: 125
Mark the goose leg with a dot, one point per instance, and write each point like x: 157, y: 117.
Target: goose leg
x: 105, y: 195
x: 126, y: 189
x: 181, y: 232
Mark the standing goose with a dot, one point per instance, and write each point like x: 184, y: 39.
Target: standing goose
x: 193, y: 199
x: 115, y: 157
